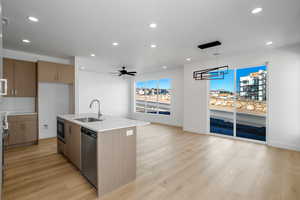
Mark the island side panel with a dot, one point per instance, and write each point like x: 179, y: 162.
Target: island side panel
x: 116, y: 159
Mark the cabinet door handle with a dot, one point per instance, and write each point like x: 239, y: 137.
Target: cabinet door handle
x: 3, y: 87
x: 16, y: 91
x: 12, y: 92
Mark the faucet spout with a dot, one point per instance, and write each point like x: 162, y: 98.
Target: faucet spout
x: 98, y: 103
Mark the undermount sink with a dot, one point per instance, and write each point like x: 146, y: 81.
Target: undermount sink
x: 89, y: 119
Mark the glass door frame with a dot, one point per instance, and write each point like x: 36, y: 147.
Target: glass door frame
x: 235, y: 109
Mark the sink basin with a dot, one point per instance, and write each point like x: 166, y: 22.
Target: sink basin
x: 89, y: 119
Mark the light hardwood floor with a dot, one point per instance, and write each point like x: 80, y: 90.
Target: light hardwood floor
x: 171, y: 165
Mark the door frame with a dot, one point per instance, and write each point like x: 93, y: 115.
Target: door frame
x: 235, y: 68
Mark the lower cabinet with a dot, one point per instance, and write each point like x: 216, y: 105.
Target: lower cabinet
x: 116, y: 155
x: 22, y: 130
x: 72, y: 147
x: 60, y: 147
x: 116, y: 159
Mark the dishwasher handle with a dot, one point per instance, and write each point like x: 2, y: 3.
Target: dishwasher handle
x: 88, y: 132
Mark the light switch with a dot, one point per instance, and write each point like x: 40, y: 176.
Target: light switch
x: 129, y: 132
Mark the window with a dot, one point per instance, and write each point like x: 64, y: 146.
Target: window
x: 238, y: 103
x: 153, y: 96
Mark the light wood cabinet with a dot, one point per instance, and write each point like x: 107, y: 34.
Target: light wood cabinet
x: 72, y: 146
x: 66, y: 74
x: 8, y: 74
x: 22, y: 129
x: 21, y: 77
x: 25, y: 79
x: 116, y: 155
x: 60, y: 147
x: 116, y: 159
x: 47, y: 72
x: 54, y: 72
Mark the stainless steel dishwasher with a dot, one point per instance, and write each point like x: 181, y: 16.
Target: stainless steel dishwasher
x: 89, y: 155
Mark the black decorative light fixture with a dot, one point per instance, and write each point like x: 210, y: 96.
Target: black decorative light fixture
x: 209, y: 45
x: 216, y: 73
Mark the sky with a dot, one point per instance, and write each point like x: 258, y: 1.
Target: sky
x: 228, y: 82
x: 163, y: 84
x: 224, y: 84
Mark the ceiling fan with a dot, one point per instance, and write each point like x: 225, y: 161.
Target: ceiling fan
x: 123, y: 71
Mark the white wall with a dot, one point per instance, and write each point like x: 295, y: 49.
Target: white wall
x: 53, y: 100
x: 284, y: 94
x: 176, y: 117
x: 95, y: 82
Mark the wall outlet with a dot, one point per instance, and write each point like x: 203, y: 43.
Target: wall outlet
x: 129, y: 132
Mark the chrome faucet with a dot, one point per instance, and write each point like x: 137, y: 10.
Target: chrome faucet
x: 98, y: 102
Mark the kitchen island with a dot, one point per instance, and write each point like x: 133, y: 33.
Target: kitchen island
x: 103, y: 151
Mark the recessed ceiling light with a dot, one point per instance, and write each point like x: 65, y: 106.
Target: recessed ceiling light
x: 269, y: 43
x: 82, y: 68
x: 153, y: 46
x: 188, y: 59
x: 115, y: 44
x: 93, y: 55
x: 256, y: 10
x: 152, y: 25
x: 164, y: 67
x: 26, y: 41
x: 33, y: 19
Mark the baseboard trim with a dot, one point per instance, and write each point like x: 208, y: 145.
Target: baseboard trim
x: 170, y: 125
x: 48, y: 138
x: 283, y: 146
x: 270, y: 143
x: 194, y: 131
x: 21, y: 145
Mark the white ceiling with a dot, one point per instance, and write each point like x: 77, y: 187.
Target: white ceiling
x: 81, y: 27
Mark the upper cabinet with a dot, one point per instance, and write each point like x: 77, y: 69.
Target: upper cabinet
x: 54, y: 72
x: 21, y: 78
x: 8, y: 74
x: 25, y: 79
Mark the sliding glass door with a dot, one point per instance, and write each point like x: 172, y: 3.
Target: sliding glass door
x: 251, y: 106
x: 221, y: 105
x: 238, y: 103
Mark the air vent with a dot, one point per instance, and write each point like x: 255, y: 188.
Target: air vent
x: 209, y: 45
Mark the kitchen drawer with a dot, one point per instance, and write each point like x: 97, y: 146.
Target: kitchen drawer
x: 17, y: 118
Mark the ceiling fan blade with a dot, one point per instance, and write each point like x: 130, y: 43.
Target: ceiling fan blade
x: 132, y: 72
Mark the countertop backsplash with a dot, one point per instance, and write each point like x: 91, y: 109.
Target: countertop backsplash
x: 17, y: 104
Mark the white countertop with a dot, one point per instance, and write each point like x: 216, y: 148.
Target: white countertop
x: 109, y: 122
